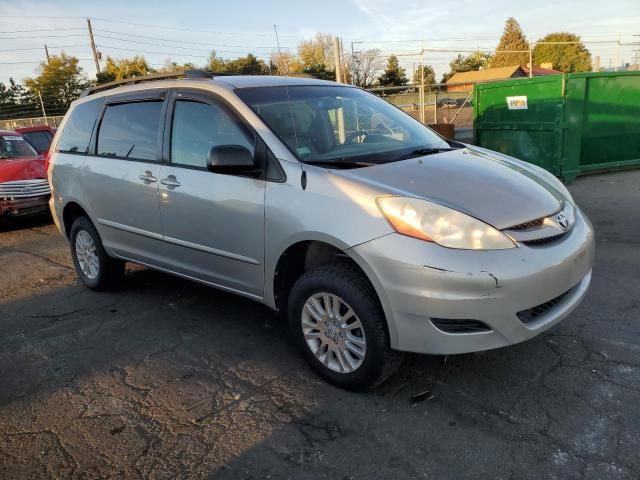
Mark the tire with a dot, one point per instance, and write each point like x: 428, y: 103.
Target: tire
x: 375, y: 362
x: 108, y: 271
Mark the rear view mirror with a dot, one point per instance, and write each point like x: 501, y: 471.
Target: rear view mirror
x: 230, y: 159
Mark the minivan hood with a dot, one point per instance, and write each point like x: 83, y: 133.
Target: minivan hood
x: 496, y: 189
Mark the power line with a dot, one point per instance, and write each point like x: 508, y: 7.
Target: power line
x: 167, y: 53
x: 179, y: 47
x: 183, y: 42
x: 38, y: 48
x: 166, y: 27
x: 210, y: 44
x: 44, y: 36
x: 42, y: 30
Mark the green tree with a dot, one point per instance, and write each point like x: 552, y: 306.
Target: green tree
x: 59, y: 82
x: 171, y: 66
x: 249, y: 65
x: 393, y: 75
x: 215, y: 63
x: 429, y: 75
x: 512, y: 40
x: 118, y: 69
x: 16, y: 101
x: 568, y: 57
x: 471, y: 63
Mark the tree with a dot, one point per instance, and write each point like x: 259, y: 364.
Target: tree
x: 215, y: 63
x: 59, y: 82
x: 429, y: 75
x: 249, y: 65
x: 393, y: 75
x: 471, y: 63
x: 513, y: 40
x: 570, y: 57
x: 317, y: 53
x: 364, y: 67
x: 171, y: 66
x: 285, y: 63
x: 118, y: 69
x: 16, y: 101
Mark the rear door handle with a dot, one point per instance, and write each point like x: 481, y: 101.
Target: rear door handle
x: 148, y: 177
x: 171, y: 181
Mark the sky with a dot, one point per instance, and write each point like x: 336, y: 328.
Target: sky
x: 186, y: 30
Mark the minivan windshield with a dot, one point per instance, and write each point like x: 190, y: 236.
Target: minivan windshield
x: 340, y: 125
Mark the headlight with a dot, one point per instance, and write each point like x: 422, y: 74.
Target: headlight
x: 444, y: 226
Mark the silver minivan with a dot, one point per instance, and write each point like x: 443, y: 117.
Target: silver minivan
x: 370, y: 232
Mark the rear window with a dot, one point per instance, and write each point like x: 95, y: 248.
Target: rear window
x: 130, y: 130
x: 39, y: 140
x: 76, y: 134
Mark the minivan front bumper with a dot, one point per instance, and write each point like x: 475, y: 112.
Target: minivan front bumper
x: 495, y: 297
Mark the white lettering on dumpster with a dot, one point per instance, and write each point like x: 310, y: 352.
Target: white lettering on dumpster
x: 517, y: 103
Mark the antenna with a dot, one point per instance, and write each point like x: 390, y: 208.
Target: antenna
x: 275, y: 29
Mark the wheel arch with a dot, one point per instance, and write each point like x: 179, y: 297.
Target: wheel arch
x: 71, y: 211
x: 304, y: 255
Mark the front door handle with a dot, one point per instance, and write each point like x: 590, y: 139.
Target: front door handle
x: 171, y: 182
x: 147, y: 177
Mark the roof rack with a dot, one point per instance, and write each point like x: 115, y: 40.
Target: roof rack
x: 192, y: 74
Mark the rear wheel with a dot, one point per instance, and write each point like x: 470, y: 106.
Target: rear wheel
x: 95, y: 268
x: 335, y: 319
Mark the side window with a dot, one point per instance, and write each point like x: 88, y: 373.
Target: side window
x: 39, y: 140
x: 76, y: 134
x: 130, y: 130
x: 199, y: 126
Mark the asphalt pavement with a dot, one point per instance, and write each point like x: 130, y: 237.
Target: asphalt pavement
x: 170, y: 379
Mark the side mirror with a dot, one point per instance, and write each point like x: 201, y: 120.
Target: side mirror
x: 230, y: 159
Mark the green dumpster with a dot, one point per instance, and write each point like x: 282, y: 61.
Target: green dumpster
x: 569, y: 124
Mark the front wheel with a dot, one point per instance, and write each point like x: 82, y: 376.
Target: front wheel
x: 95, y: 268
x: 335, y: 319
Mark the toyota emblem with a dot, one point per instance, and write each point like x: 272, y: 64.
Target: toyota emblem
x: 562, y: 220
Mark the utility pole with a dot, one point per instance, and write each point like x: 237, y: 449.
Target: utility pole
x: 93, y: 46
x: 336, y: 57
x: 46, y: 51
x: 353, y: 65
x: 44, y: 114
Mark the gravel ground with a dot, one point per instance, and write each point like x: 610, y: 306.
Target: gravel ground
x: 170, y: 379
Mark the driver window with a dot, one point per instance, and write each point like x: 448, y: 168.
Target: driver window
x: 199, y: 126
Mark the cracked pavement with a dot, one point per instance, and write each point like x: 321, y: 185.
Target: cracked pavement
x: 170, y: 379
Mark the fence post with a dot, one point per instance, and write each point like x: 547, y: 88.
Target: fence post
x: 435, y: 107
x: 422, y: 119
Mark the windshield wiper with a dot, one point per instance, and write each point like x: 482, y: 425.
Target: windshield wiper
x: 339, y: 162
x: 419, y: 152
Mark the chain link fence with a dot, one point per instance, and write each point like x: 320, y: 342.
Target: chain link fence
x: 434, y: 105
x: 14, y: 123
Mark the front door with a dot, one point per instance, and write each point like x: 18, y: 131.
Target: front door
x: 213, y: 224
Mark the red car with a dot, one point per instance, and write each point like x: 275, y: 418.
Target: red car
x: 39, y: 137
x: 24, y: 188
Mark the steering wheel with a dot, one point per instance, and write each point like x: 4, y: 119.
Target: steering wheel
x: 353, y: 135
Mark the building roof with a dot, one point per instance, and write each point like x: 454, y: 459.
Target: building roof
x: 538, y: 71
x: 500, y: 73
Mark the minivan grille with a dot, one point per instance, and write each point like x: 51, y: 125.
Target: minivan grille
x: 531, y: 314
x: 543, y: 241
x: 527, y: 225
x: 454, y: 325
x: 24, y: 189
